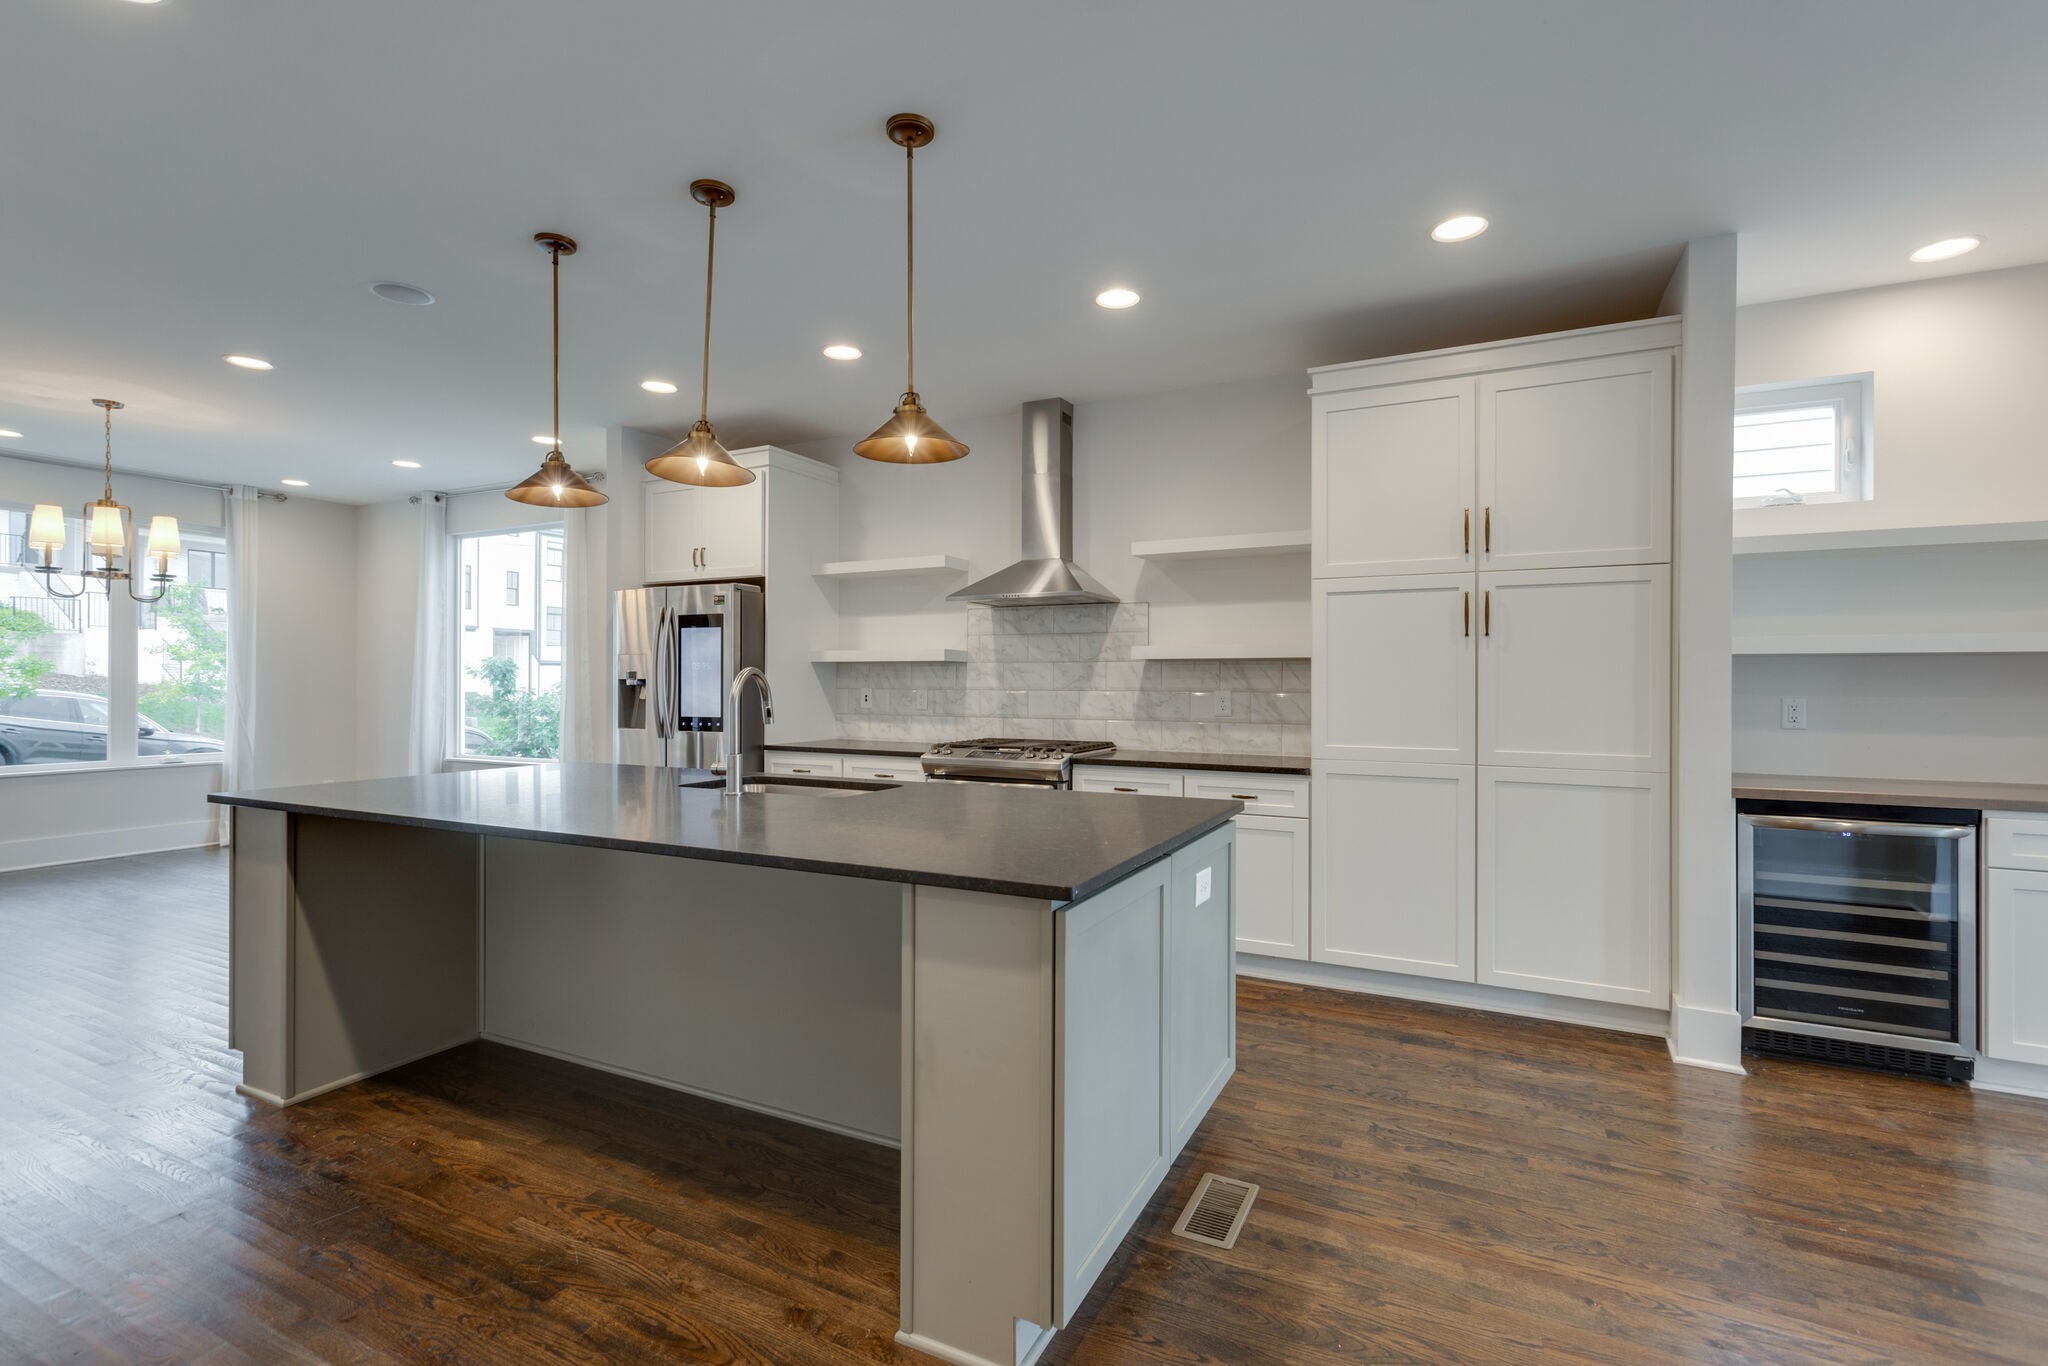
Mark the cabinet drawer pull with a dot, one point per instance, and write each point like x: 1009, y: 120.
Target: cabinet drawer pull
x: 1123, y: 789
x: 799, y: 770
x: 885, y: 775
x: 1244, y: 796
x: 1489, y: 611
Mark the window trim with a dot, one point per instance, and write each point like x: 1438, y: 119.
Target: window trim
x: 1851, y: 398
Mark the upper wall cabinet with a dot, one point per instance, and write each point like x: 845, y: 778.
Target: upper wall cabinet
x: 708, y: 535
x: 1545, y: 453
x: 1394, y: 481
x: 1575, y: 464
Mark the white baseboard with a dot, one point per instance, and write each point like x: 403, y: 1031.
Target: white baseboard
x: 48, y: 851
x: 1704, y: 1037
x: 1471, y: 995
x: 1027, y: 1351
x: 2011, y: 1078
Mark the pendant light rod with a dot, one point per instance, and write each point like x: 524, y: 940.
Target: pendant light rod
x: 555, y: 484
x: 555, y: 309
x: 109, y: 404
x: 910, y: 132
x: 699, y: 459
x: 713, y: 195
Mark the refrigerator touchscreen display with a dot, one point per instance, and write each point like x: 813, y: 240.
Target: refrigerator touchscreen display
x: 700, y: 672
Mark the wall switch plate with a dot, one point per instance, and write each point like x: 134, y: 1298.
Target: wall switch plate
x: 1219, y: 702
x: 1794, y: 717
x: 867, y: 699
x: 920, y: 699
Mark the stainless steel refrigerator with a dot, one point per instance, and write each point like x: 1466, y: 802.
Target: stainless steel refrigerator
x: 676, y: 651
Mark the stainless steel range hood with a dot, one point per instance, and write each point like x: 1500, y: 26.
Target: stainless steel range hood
x: 1046, y: 575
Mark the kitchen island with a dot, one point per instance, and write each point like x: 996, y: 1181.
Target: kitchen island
x: 1029, y: 991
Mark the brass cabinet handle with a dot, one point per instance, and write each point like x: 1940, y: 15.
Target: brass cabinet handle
x: 1468, y: 614
x: 1468, y: 531
x: 799, y: 770
x: 1489, y: 530
x: 1489, y: 611
x: 1243, y: 797
x: 1123, y: 789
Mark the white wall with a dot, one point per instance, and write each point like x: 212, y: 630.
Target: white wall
x: 1217, y: 459
x: 1960, y: 411
x: 387, y: 613
x: 1960, y: 406
x: 306, y: 644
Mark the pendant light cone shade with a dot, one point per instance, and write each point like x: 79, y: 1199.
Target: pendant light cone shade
x: 910, y: 437
x: 555, y: 484
x: 698, y: 458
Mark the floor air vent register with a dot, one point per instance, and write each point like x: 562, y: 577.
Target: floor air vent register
x: 1216, y: 1214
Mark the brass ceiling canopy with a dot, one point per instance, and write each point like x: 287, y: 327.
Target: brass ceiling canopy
x: 910, y: 437
x: 555, y: 484
x: 699, y: 458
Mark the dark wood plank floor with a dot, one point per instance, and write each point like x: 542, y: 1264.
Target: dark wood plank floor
x: 1438, y: 1185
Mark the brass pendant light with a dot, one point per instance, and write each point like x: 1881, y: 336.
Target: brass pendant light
x: 555, y: 484
x: 698, y: 458
x: 910, y: 437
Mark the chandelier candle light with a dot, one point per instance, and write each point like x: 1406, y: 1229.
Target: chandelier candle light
x: 910, y: 437
x: 699, y: 458
x: 108, y: 528
x: 555, y: 484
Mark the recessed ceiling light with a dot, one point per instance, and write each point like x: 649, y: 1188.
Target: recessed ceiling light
x: 391, y: 291
x: 9, y: 436
x: 407, y: 464
x: 657, y: 386
x: 1463, y: 228
x: 247, y: 362
x: 293, y: 483
x: 841, y: 351
x: 1945, y: 248
x: 1117, y: 298
x: 544, y: 440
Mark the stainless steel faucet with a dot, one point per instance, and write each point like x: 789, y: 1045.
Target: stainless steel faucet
x: 736, y: 753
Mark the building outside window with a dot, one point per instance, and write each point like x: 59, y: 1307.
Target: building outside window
x: 56, y: 674
x: 510, y: 660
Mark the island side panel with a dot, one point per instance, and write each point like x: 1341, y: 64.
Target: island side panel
x: 769, y: 989
x: 977, y: 1126
x: 384, y: 948
x: 260, y: 916
x: 1201, y: 1003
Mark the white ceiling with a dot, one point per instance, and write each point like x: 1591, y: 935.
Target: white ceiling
x: 204, y: 176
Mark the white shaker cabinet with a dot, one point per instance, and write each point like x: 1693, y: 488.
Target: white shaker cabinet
x: 1575, y: 463
x: 1574, y: 884
x: 1272, y: 886
x: 1393, y: 480
x: 1394, y: 668
x: 704, y: 534
x: 1394, y: 871
x: 1575, y: 668
x: 2016, y: 938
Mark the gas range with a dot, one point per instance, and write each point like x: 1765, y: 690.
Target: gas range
x: 1035, y: 763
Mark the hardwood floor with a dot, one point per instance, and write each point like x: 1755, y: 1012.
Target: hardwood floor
x: 1437, y: 1185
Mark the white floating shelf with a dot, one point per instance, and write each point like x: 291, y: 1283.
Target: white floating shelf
x: 907, y: 654
x: 1224, y: 547
x: 1299, y: 651
x: 1898, y: 643
x: 1891, y: 538
x: 903, y: 566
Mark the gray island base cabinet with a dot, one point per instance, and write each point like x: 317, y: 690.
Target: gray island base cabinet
x: 1040, y: 1062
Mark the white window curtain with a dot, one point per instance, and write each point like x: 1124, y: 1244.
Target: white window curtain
x: 433, y: 677
x: 587, y: 732
x: 244, y: 510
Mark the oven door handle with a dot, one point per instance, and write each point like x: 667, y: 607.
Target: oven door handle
x: 1821, y: 825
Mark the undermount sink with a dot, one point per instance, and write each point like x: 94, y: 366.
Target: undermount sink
x: 779, y: 785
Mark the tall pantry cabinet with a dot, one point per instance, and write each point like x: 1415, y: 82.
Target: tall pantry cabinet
x: 1492, y: 636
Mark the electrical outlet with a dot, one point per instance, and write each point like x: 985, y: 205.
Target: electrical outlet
x: 867, y: 699
x: 920, y: 700
x: 1219, y: 702
x: 1794, y: 717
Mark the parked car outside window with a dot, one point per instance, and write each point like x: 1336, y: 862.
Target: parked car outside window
x: 50, y: 726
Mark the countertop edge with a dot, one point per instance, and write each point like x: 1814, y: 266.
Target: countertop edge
x: 992, y: 886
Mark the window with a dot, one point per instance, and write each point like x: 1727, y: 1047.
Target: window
x: 551, y: 561
x: 509, y: 682
x: 1807, y: 442
x: 56, y: 669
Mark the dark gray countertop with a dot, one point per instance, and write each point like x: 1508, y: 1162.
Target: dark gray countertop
x: 1123, y: 758
x: 1059, y: 846
x: 1960, y: 796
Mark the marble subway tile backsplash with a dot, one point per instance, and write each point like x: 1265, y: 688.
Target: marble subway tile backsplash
x: 1066, y: 673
